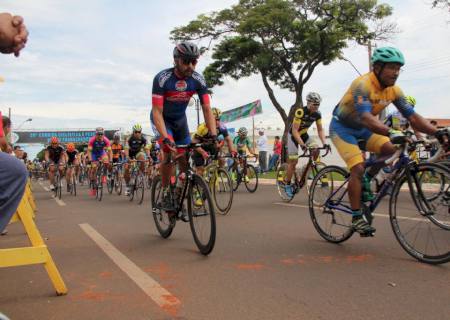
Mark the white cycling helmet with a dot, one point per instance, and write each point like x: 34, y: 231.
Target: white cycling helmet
x: 313, y: 97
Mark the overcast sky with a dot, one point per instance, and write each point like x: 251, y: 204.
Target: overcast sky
x: 90, y: 63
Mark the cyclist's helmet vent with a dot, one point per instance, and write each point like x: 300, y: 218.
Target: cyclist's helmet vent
x: 388, y: 54
x: 186, y: 49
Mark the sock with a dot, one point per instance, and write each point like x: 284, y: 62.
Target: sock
x: 356, y: 213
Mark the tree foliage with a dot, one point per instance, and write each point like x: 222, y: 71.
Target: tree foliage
x: 283, y: 40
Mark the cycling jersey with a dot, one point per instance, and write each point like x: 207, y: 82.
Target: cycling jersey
x: 135, y: 146
x: 366, y: 95
x: 54, y: 154
x: 116, y: 150
x: 242, y: 143
x: 172, y: 94
x: 346, y: 130
x: 99, y: 147
x: 305, y: 118
x: 71, y: 156
x: 202, y: 132
x: 154, y: 151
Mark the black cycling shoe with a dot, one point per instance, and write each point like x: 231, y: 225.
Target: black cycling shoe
x: 360, y: 225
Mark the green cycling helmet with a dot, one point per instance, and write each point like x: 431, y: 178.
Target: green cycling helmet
x: 137, y: 128
x: 387, y: 54
x: 411, y: 100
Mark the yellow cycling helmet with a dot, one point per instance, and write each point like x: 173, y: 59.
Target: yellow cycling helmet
x: 217, y: 113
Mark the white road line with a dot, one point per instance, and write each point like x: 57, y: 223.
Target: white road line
x: 60, y: 202
x: 153, y: 289
x: 44, y: 187
x: 374, y: 213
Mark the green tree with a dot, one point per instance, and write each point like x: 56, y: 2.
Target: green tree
x: 283, y: 41
x: 445, y: 4
x: 41, y: 155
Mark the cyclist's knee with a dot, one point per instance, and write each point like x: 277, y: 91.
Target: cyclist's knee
x: 357, y: 170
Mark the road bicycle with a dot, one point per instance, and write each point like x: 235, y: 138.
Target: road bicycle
x: 241, y: 171
x: 187, y: 198
x: 304, y: 175
x: 114, y: 180
x: 219, y: 183
x: 72, y: 183
x: 421, y: 224
x: 100, y: 180
x: 136, y: 184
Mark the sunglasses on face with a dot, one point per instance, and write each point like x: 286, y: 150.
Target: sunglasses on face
x: 138, y: 132
x: 188, y: 61
x: 99, y: 134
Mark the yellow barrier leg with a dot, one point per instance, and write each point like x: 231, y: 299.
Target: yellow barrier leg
x: 36, y: 254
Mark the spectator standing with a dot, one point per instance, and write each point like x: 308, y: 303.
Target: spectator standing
x: 263, y: 149
x: 276, y: 153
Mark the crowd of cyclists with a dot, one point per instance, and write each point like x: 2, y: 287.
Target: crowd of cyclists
x: 355, y: 128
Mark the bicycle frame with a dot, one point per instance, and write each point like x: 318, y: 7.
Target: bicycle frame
x: 311, y: 162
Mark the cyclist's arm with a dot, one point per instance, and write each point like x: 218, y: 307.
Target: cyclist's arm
x: 46, y: 156
x: 420, y: 124
x: 249, y: 146
x: 320, y: 131
x: 230, y: 145
x: 157, y: 107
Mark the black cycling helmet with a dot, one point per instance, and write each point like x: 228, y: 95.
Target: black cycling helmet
x: 186, y: 49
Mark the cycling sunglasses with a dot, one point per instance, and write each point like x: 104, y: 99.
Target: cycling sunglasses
x: 188, y: 61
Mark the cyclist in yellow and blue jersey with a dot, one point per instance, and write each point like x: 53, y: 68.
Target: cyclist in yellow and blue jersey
x: 355, y: 120
x: 203, y: 135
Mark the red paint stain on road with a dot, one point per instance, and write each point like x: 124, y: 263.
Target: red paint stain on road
x: 256, y: 266
x: 360, y: 258
x: 92, y: 296
x: 162, y: 270
x: 106, y: 275
x: 326, y: 259
x: 172, y: 305
x: 288, y: 262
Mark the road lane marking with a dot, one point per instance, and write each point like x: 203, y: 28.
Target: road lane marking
x: 382, y: 215
x: 44, y: 187
x: 151, y: 288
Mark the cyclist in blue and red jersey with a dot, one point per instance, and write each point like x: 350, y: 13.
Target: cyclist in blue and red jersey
x: 99, y: 148
x: 172, y: 90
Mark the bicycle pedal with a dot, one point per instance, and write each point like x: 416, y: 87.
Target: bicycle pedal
x: 367, y: 234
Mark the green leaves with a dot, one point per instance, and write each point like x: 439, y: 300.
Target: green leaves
x: 283, y: 40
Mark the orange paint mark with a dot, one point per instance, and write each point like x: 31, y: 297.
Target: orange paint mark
x: 326, y: 259
x: 360, y: 258
x: 162, y: 270
x: 172, y: 305
x: 106, y: 275
x: 92, y: 296
x: 288, y: 262
x: 256, y: 266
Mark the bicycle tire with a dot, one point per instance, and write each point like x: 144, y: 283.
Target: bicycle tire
x: 110, y: 185
x: 140, y: 188
x: 99, y: 187
x: 163, y: 223
x: 59, y: 188
x: 317, y: 211
x: 221, y: 184
x: 237, y: 178
x: 74, y: 186
x: 118, y: 183
x: 280, y: 178
x: 399, y: 222
x: 312, y: 172
x: 198, y: 185
x: 251, y: 168
x: 55, y: 190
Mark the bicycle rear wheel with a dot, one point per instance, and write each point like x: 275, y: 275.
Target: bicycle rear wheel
x: 139, y: 188
x: 222, y: 190
x: 110, y: 184
x: 164, y: 224
x: 251, y: 179
x: 201, y: 215
x: 422, y: 226
x: 327, y: 203
x: 312, y: 172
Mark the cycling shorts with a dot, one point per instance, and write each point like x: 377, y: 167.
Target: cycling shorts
x: 292, y: 145
x: 178, y: 130
x: 99, y: 156
x: 348, y: 141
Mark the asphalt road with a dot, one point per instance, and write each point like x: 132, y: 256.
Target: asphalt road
x: 268, y: 263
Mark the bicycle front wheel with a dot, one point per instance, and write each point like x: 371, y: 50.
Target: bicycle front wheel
x: 312, y: 172
x: 201, y: 215
x: 99, y: 187
x: 251, y: 179
x: 139, y: 188
x: 422, y: 225
x: 235, y: 178
x: 164, y: 224
x: 222, y: 190
x: 329, y: 204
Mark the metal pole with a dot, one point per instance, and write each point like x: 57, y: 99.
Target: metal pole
x: 9, y: 113
x: 253, y: 120
x: 369, y: 47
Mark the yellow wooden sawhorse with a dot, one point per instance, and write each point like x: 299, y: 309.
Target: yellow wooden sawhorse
x: 38, y: 252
